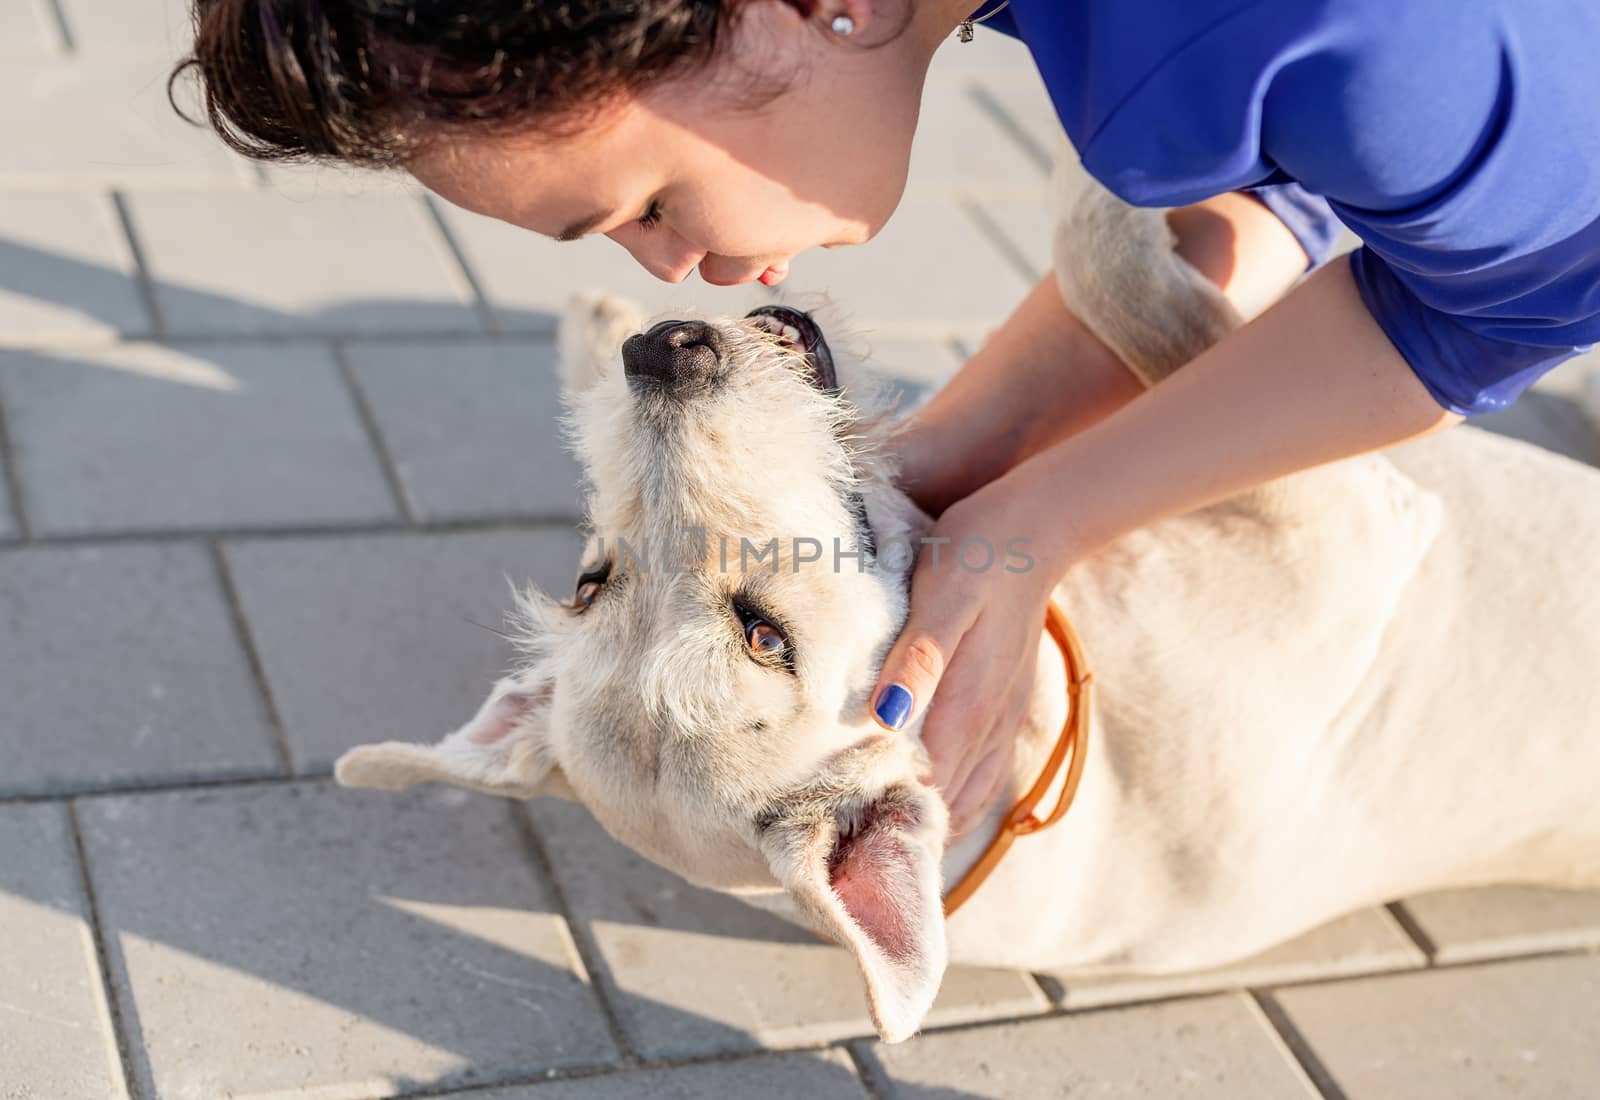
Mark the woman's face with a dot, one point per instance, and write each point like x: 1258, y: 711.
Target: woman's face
x: 692, y: 174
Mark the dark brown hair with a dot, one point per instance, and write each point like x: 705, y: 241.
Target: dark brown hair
x: 366, y: 81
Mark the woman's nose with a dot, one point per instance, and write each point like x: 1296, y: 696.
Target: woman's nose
x: 661, y: 252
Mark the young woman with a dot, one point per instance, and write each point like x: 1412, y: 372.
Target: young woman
x: 1457, y: 138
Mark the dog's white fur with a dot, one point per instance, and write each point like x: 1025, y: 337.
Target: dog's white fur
x: 1370, y: 679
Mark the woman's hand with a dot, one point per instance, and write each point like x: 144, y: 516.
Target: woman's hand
x: 978, y: 599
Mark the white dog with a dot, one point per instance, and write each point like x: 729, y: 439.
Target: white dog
x: 1371, y: 679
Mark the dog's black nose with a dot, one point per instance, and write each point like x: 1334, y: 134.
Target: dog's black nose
x: 671, y: 354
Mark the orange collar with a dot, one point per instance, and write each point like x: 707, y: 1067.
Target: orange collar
x: 1074, y: 739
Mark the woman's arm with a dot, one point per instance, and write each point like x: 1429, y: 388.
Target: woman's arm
x: 1042, y: 376
x: 1312, y: 380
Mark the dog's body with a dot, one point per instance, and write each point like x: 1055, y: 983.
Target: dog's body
x: 1370, y: 679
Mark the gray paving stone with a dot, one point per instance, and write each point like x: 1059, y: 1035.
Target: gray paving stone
x: 9, y: 528
x: 65, y: 271
x: 390, y: 636
x: 1219, y: 1047
x: 300, y: 939
x: 1525, y: 1029
x: 305, y: 180
x: 120, y: 665
x: 775, y: 984
x: 931, y: 273
x: 903, y: 371
x: 27, y: 30
x: 528, y: 279
x: 270, y: 263
x: 1553, y: 421
x: 56, y: 1037
x: 156, y: 29
x: 473, y: 428
x: 960, y: 143
x: 1465, y: 925
x: 822, y: 1074
x: 147, y: 437
x: 1365, y: 942
x: 1024, y: 225
x: 92, y: 120
x: 1018, y: 98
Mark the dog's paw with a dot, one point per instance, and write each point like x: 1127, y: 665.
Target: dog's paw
x: 592, y: 329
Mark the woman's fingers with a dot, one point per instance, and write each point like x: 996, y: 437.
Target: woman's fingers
x: 927, y: 644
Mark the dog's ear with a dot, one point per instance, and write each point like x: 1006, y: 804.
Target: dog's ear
x: 590, y: 337
x: 505, y: 750
x: 865, y: 872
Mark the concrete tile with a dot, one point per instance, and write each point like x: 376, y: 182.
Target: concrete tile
x: 901, y: 373
x: 56, y: 1039
x: 1023, y: 225
x: 299, y: 939
x: 1526, y: 1029
x: 65, y: 271
x: 930, y: 273
x: 9, y: 528
x: 120, y: 665
x: 390, y: 636
x: 271, y: 263
x: 473, y: 428
x: 97, y: 120
x: 1364, y: 942
x: 1465, y: 925
x: 1020, y: 104
x: 1553, y: 421
x: 311, y: 180
x: 157, y: 29
x: 1218, y: 1048
x: 27, y: 29
x: 528, y: 278
x: 961, y: 144
x: 145, y: 437
x: 821, y: 1074
x: 776, y: 984
x: 1572, y: 378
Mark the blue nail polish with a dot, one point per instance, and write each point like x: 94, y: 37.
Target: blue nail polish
x: 894, y: 706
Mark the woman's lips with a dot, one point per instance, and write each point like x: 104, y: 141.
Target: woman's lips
x: 770, y: 276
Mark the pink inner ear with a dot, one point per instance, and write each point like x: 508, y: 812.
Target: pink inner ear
x: 874, y: 875
x: 506, y: 714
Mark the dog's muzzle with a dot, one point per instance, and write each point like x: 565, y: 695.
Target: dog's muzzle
x: 672, y: 355
x: 775, y: 319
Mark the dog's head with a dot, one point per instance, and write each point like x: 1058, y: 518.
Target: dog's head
x: 704, y: 687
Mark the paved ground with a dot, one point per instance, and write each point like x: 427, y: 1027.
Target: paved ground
x: 270, y: 440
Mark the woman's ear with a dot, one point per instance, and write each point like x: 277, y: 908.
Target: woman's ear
x: 504, y: 750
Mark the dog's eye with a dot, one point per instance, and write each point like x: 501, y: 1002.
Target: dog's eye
x: 764, y: 638
x: 590, y: 585
x: 767, y: 641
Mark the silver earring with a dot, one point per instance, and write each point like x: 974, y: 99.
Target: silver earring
x: 843, y: 25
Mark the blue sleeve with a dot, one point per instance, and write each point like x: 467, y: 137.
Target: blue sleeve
x: 1456, y: 138
x: 1307, y: 216
x: 1458, y: 142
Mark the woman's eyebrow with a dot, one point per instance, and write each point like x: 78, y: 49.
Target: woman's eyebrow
x: 582, y: 226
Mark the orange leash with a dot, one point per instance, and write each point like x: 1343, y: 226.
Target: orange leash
x: 1074, y: 739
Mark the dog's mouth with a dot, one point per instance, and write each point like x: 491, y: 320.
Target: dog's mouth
x: 801, y: 332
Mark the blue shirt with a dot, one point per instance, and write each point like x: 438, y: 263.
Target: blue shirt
x: 1459, y: 139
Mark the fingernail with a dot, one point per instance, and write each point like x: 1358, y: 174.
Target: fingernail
x: 894, y: 706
